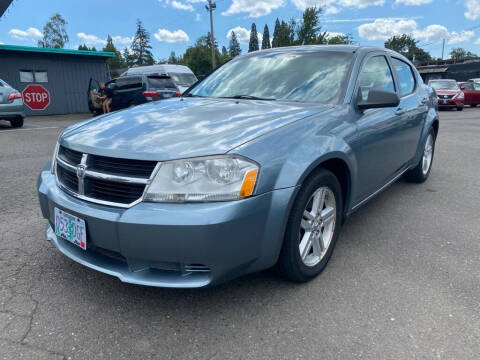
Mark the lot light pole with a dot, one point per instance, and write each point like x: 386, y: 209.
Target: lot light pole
x: 210, y: 7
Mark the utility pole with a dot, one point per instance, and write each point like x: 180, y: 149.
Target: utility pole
x: 210, y: 7
x: 443, y: 47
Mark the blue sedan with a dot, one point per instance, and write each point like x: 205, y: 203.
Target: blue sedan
x: 258, y: 165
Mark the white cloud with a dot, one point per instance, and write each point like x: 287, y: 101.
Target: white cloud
x: 181, y: 6
x: 122, y: 40
x: 254, y: 8
x: 30, y: 33
x: 473, y: 9
x: 197, y: 17
x: 243, y: 35
x: 413, y: 2
x: 462, y: 36
x: 335, y: 6
x: 331, y: 34
x: 382, y: 29
x: 168, y: 36
x: 91, y: 39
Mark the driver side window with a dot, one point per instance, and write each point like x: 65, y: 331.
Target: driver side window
x: 375, y: 74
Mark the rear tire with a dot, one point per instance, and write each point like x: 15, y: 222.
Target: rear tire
x: 312, y: 228
x: 17, y: 123
x: 420, y: 173
x: 459, y: 108
x: 473, y: 105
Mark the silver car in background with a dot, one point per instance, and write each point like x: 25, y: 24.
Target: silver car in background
x: 11, y: 105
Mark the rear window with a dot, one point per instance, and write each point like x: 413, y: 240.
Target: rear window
x: 183, y: 79
x: 128, y: 83
x: 467, y: 86
x: 160, y: 83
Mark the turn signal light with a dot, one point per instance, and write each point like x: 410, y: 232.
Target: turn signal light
x: 248, y: 184
x: 15, y: 95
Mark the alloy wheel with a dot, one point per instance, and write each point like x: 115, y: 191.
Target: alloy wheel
x: 317, y: 226
x: 427, y: 155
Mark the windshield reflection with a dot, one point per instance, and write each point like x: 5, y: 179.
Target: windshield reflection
x: 304, y: 77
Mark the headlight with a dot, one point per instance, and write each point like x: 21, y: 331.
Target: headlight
x: 213, y: 178
x: 54, y: 158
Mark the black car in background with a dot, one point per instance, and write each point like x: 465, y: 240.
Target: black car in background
x: 131, y: 91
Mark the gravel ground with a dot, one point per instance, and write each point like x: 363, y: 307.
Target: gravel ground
x: 403, y: 283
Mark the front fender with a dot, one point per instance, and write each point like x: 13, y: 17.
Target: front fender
x: 431, y: 117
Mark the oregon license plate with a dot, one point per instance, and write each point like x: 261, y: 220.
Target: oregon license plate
x: 445, y: 101
x: 70, y: 228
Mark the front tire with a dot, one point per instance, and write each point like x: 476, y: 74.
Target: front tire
x: 420, y: 173
x: 459, y: 108
x: 312, y: 228
x: 17, y: 122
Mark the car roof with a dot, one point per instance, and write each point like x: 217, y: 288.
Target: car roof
x: 165, y: 68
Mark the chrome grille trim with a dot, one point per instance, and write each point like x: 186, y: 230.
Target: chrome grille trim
x: 85, y: 174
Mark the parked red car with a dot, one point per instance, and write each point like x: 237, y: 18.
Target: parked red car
x: 449, y: 93
x: 472, y: 93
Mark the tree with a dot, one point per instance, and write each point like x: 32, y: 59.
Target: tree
x: 172, y: 58
x: 117, y: 61
x: 209, y: 41
x: 234, y: 47
x: 82, y: 47
x: 340, y: 39
x: 141, y: 49
x: 266, y: 38
x: 407, y: 46
x: 253, y: 44
x: 54, y: 33
x: 127, y: 57
x: 286, y: 34
x: 199, y: 57
x: 224, y: 56
x: 275, y: 33
x: 461, y: 53
x: 309, y: 31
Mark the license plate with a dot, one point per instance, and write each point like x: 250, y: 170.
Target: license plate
x: 70, y: 228
x: 445, y: 101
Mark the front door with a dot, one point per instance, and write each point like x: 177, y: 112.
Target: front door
x: 379, y: 148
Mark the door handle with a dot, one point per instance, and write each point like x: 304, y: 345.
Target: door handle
x: 400, y: 111
x: 424, y: 101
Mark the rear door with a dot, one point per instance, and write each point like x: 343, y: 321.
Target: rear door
x: 469, y: 93
x: 476, y: 93
x: 94, y: 103
x: 126, y: 90
x: 163, y: 85
x: 412, y: 110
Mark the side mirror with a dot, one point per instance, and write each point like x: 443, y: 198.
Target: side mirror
x: 377, y: 99
x: 462, y: 87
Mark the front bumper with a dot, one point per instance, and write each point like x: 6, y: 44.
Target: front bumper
x: 173, y: 245
x: 450, y: 103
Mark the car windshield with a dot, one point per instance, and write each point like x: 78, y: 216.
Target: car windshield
x: 157, y: 82
x: 444, y: 85
x: 183, y: 79
x: 306, y: 77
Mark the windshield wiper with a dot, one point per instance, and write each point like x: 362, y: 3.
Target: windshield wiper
x: 247, y: 97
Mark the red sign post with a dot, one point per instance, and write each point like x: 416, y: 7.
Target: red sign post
x: 36, y: 97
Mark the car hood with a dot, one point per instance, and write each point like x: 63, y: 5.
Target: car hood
x: 180, y: 128
x: 447, y: 92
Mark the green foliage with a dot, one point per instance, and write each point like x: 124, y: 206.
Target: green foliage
x: 340, y: 40
x: 309, y: 30
x: 266, y: 38
x: 117, y: 61
x: 172, y: 59
x: 253, y: 44
x: 141, y: 53
x: 286, y: 34
x: 86, y: 48
x: 461, y: 53
x: 275, y: 33
x: 199, y: 57
x: 54, y: 33
x: 407, y: 46
x: 234, y: 47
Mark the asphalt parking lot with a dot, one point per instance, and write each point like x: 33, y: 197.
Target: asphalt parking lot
x: 403, y: 283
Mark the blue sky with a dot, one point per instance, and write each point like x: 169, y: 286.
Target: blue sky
x: 176, y: 24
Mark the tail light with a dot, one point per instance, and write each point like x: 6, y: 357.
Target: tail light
x: 150, y: 94
x: 177, y: 94
x: 15, y: 95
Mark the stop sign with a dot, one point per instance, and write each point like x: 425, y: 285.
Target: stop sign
x: 36, y: 97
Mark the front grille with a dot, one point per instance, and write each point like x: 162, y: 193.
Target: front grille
x: 111, y: 181
x: 445, y: 96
